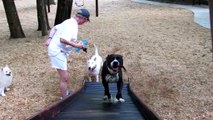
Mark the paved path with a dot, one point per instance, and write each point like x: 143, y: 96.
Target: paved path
x: 201, y: 13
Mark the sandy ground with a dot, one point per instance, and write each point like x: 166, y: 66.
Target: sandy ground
x: 167, y: 55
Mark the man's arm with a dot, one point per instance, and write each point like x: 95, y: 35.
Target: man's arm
x: 52, y: 33
x: 71, y: 43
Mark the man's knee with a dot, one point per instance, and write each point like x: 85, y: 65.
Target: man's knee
x: 65, y: 78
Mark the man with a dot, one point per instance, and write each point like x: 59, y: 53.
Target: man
x: 61, y: 39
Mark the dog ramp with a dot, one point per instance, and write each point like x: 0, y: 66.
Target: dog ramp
x: 88, y: 104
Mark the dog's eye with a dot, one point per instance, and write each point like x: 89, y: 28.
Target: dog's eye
x: 118, y: 58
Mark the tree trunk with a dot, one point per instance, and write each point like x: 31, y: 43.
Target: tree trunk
x: 38, y: 14
x: 96, y: 6
x: 15, y: 27
x: 51, y: 2
x: 64, y: 9
x: 211, y: 21
x: 48, y: 3
x: 43, y: 23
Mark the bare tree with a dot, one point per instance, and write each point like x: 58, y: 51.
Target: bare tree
x: 48, y: 3
x: 64, y: 9
x: 15, y: 27
x: 43, y: 23
x: 211, y: 21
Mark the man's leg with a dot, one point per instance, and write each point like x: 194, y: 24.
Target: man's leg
x: 63, y: 82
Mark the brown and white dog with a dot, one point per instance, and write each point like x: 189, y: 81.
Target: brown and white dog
x: 112, y: 73
x: 94, y: 65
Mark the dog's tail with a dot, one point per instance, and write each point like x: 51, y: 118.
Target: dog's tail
x: 96, y: 49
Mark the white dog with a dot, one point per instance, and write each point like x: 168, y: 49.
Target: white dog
x: 94, y: 65
x: 5, y: 79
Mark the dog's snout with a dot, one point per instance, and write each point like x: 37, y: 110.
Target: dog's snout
x: 115, y: 64
x: 8, y: 74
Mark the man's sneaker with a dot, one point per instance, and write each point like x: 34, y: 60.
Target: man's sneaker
x: 68, y: 93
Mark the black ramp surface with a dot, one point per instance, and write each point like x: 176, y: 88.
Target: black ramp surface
x: 89, y: 105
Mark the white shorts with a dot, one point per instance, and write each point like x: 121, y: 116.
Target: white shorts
x: 59, y: 61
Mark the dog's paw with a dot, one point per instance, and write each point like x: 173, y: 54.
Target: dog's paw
x: 7, y: 89
x: 121, y: 100
x: 115, y: 100
x: 2, y: 94
x: 107, y: 99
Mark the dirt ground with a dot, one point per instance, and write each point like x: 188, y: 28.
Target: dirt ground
x: 167, y: 55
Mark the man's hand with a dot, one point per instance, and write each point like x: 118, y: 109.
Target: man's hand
x: 84, y: 49
x: 48, y: 42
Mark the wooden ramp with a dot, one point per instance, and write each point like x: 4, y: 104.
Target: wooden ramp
x: 88, y: 104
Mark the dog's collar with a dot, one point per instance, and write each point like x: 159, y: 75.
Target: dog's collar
x: 111, y: 71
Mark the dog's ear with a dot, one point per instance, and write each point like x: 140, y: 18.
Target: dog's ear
x: 121, y: 59
x: 107, y: 57
x: 6, y: 65
x: 121, y: 56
